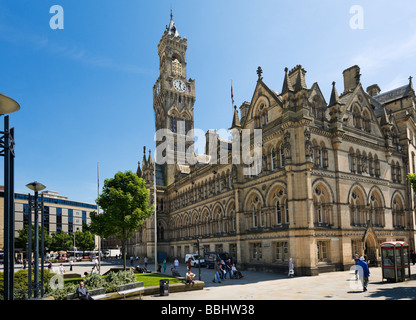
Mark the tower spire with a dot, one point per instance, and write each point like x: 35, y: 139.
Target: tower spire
x: 172, y: 28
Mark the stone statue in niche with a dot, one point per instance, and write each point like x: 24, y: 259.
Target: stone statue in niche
x: 286, y: 146
x: 308, y: 143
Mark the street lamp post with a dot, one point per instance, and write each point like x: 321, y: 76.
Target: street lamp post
x: 33, y: 203
x: 155, y: 204
x: 8, y: 105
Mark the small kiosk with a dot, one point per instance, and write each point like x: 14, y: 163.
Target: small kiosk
x: 395, y: 261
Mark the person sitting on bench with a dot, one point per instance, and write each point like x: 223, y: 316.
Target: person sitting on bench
x: 82, y: 292
x: 236, y: 273
x: 190, y: 277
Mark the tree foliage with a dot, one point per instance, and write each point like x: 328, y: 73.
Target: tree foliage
x: 22, y: 239
x: 125, y: 204
x: 412, y: 180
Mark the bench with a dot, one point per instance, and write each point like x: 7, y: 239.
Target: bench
x: 96, y: 294
x: 130, y: 288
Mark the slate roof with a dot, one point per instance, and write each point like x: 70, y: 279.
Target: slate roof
x: 392, y: 95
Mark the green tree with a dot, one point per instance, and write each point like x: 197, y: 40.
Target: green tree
x: 23, y: 238
x: 84, y: 240
x: 125, y: 203
x: 61, y: 241
x: 412, y: 180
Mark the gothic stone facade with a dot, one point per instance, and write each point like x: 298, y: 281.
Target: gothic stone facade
x: 333, y: 179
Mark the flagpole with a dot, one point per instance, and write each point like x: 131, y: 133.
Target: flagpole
x: 155, y: 204
x: 232, y: 98
x: 98, y: 209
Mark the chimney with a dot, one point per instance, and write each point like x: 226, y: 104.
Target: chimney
x: 351, y: 78
x: 297, y: 78
x: 245, y: 106
x: 373, y: 90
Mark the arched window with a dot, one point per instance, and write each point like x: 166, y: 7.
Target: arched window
x: 256, y: 212
x: 282, y: 156
x: 399, y: 218
x: 358, y: 213
x: 376, y: 166
x: 322, y: 206
x: 286, y: 211
x: 274, y: 160
x: 356, y: 116
x: 376, y: 210
x: 173, y: 123
x: 367, y: 122
x: 278, y: 213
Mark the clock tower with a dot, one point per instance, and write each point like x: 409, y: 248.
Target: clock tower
x: 174, y: 98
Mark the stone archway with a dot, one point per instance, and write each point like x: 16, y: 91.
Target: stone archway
x: 370, y: 247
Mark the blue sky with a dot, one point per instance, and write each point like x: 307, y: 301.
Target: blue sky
x: 86, y: 91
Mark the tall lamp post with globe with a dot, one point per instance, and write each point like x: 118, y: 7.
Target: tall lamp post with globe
x: 8, y: 105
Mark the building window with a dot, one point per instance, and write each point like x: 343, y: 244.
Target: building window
x: 70, y: 220
x: 84, y: 218
x: 286, y: 212
x: 255, y: 249
x: 355, y: 247
x: 274, y: 160
x: 255, y: 217
x: 322, y: 251
x: 282, y: 251
x: 282, y: 156
x: 176, y: 67
x: 58, y: 220
x: 26, y: 212
x: 173, y: 122
x: 46, y: 218
x: 278, y: 214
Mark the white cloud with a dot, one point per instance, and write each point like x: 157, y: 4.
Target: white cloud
x: 377, y: 56
x: 72, y: 51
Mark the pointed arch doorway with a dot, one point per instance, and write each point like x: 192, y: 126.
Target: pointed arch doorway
x: 370, y: 247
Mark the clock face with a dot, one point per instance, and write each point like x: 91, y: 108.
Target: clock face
x: 179, y: 85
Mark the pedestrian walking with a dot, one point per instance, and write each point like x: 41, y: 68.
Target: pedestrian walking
x: 176, y: 263
x: 61, y: 269
x: 131, y: 260
x: 70, y: 264
x: 145, y: 262
x: 188, y: 264
x: 95, y: 263
x: 228, y: 267
x: 291, y: 269
x: 356, y: 259
x: 164, y: 265
x: 222, y: 270
x: 364, y: 272
x: 216, y: 273
x: 413, y: 257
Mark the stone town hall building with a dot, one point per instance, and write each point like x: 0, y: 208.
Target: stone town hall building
x: 333, y: 179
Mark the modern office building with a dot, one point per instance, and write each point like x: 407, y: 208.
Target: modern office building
x: 60, y: 213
